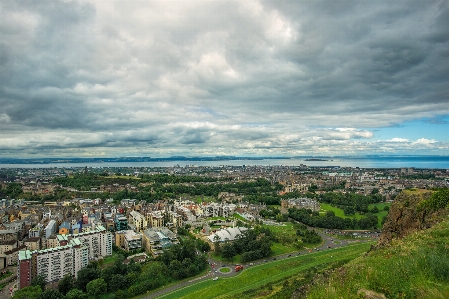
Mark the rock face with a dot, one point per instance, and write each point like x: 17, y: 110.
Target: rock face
x: 405, y: 217
x: 368, y: 294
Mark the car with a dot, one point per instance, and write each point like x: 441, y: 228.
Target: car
x: 265, y: 261
x: 251, y: 264
x: 299, y: 253
x: 223, y: 265
x: 289, y: 255
x: 274, y: 259
x: 215, y: 278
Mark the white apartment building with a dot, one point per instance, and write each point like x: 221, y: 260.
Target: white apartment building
x: 98, y: 241
x: 52, y: 263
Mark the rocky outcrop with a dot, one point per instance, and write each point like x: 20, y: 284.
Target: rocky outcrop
x: 368, y: 294
x: 406, y: 217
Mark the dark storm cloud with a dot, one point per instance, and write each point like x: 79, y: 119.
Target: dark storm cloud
x: 219, y: 77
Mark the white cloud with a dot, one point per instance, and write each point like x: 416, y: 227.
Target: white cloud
x: 209, y: 77
x: 396, y: 139
x: 425, y: 141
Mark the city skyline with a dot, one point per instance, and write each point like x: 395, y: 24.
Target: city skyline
x: 223, y: 78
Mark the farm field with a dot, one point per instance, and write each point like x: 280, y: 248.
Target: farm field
x: 262, y: 274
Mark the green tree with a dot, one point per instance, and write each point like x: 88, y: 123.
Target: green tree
x: 87, y: 274
x: 40, y: 281
x: 96, y: 287
x: 217, y: 247
x: 118, y: 282
x: 66, y: 284
x: 75, y: 294
x: 51, y: 294
x: 228, y: 251
x: 31, y: 292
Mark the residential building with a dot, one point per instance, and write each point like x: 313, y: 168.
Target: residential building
x: 157, y: 239
x: 52, y: 263
x: 50, y: 228
x: 121, y: 222
x: 138, y: 221
x: 33, y: 243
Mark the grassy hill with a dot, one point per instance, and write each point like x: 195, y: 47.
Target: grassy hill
x: 415, y: 266
x: 277, y: 279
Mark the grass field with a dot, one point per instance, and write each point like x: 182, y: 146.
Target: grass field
x: 262, y: 274
x: 339, y: 212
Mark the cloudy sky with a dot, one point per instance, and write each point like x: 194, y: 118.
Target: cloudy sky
x: 247, y: 78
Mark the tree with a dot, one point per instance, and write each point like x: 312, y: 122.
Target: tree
x: 96, y: 287
x: 75, y: 294
x: 40, y: 281
x: 51, y: 294
x: 217, y: 247
x: 66, y: 284
x: 87, y: 274
x: 118, y: 282
x: 228, y: 251
x: 31, y: 292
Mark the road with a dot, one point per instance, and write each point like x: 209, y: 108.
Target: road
x: 214, y: 266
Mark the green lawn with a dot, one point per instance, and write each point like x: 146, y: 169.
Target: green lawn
x: 237, y: 216
x: 286, y: 234
x: 339, y: 212
x: 262, y: 274
x: 110, y: 259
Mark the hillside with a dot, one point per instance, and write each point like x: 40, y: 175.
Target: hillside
x: 411, y: 259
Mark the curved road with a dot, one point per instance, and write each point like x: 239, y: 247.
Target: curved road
x: 215, y: 266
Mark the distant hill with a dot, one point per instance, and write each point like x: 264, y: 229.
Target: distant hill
x: 411, y: 259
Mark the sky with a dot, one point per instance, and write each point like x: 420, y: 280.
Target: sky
x: 210, y: 78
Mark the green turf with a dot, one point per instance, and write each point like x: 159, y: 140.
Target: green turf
x: 339, y: 212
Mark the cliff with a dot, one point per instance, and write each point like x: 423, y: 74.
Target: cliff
x: 407, y: 216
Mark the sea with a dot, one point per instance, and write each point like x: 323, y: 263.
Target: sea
x: 419, y: 162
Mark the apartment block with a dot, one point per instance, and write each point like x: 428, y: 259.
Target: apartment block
x: 138, y: 221
x: 52, y: 263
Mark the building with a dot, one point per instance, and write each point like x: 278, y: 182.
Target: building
x: 299, y: 203
x: 52, y: 263
x: 98, y: 241
x: 138, y: 222
x: 157, y: 239
x: 174, y: 219
x: 37, y: 231
x: 33, y: 243
x: 132, y: 240
x: 128, y: 240
x: 7, y: 246
x: 225, y: 235
x: 156, y: 219
x: 121, y: 222
x: 50, y: 228
x: 64, y: 228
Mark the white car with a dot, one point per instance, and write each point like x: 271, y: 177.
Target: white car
x: 215, y: 278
